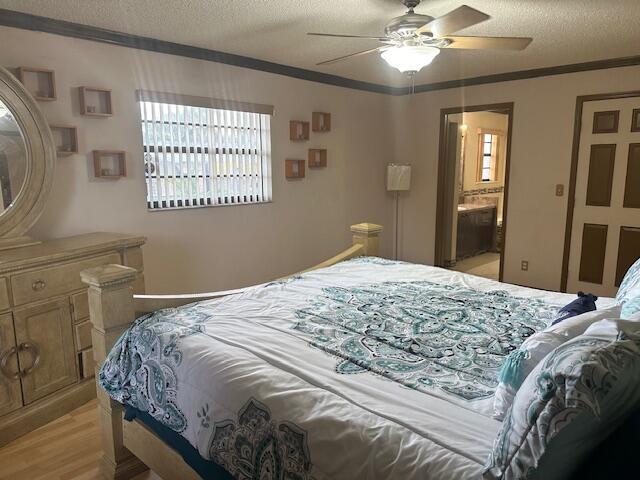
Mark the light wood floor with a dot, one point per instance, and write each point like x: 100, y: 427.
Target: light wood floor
x: 67, y: 448
x: 486, y: 265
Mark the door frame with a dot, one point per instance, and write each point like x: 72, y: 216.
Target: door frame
x: 508, y: 109
x: 575, y: 151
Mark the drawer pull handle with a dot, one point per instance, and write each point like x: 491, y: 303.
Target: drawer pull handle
x: 4, y: 358
x: 35, y: 351
x: 38, y: 285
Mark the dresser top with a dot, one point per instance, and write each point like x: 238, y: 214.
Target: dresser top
x: 66, y: 248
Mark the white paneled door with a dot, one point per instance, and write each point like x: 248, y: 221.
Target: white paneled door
x: 605, y: 233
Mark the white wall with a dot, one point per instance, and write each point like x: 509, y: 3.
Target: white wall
x: 220, y: 247
x: 540, y: 159
x: 224, y: 247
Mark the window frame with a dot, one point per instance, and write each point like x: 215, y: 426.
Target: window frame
x: 496, y: 146
x: 241, y: 166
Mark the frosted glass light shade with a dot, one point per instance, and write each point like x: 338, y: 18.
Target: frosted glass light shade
x: 410, y: 59
x: 398, y: 177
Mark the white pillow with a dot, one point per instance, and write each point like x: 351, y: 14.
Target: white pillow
x: 574, y: 326
x: 522, y: 361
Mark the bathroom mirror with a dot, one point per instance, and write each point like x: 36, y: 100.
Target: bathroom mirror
x: 27, y: 156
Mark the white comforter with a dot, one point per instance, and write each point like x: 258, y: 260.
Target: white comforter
x: 367, y: 369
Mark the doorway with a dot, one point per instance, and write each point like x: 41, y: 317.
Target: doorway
x: 473, y: 173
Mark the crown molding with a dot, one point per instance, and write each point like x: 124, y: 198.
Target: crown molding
x: 526, y: 74
x: 25, y: 21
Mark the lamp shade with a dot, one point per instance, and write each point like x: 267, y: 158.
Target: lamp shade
x: 398, y: 177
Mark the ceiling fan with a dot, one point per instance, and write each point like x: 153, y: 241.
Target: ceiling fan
x: 412, y: 40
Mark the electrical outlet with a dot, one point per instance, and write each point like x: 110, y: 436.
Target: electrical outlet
x: 524, y: 265
x: 559, y: 190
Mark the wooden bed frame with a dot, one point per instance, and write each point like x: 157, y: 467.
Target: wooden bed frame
x: 130, y: 447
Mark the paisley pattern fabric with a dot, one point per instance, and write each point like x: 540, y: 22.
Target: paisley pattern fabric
x: 257, y: 447
x: 567, y: 405
x: 424, y: 335
x: 141, y: 368
x: 631, y: 307
x: 630, y: 285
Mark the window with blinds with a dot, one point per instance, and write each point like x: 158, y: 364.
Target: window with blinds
x: 204, y: 152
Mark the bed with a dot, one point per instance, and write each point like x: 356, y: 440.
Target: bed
x: 361, y: 368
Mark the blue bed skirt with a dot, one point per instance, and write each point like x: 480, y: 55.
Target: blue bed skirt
x: 207, y: 469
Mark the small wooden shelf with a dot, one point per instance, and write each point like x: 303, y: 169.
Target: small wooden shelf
x: 95, y: 102
x: 66, y: 139
x: 321, y: 122
x: 298, y: 130
x: 294, y: 169
x: 317, y: 157
x: 109, y: 164
x: 39, y: 82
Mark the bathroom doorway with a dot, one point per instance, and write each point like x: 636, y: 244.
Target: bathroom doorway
x: 475, y: 147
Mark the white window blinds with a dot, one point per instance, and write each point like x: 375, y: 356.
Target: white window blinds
x: 197, y: 155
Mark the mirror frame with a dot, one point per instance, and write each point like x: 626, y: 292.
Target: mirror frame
x: 41, y: 155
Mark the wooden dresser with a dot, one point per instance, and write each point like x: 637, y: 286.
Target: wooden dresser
x: 46, y: 360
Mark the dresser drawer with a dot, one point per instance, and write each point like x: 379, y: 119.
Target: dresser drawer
x: 48, y: 282
x: 86, y: 363
x: 80, y: 302
x: 4, y: 294
x: 83, y: 335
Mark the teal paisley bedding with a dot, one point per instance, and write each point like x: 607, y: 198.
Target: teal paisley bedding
x: 423, y: 334
x: 328, y: 362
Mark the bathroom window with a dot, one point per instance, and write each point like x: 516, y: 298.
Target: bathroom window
x: 202, y: 152
x: 488, y: 150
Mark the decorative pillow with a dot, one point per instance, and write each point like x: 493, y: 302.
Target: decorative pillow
x: 586, y: 302
x: 518, y: 365
x: 523, y: 360
x: 572, y: 400
x: 574, y: 326
x: 630, y: 286
x: 631, y: 307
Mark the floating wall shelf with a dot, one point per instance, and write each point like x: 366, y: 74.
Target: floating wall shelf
x: 294, y: 169
x: 66, y: 139
x: 298, y: 130
x: 321, y: 122
x: 39, y: 82
x: 317, y: 157
x: 95, y: 102
x: 109, y: 164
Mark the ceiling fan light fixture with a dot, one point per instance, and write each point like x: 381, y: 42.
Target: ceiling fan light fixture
x: 408, y: 58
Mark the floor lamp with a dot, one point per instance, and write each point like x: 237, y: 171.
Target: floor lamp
x: 398, y: 180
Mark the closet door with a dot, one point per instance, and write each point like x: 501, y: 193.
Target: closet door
x: 45, y: 348
x: 605, y: 235
x: 10, y: 396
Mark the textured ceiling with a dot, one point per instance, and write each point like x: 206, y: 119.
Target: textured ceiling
x: 564, y: 31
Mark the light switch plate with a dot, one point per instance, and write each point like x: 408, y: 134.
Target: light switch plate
x: 559, y: 190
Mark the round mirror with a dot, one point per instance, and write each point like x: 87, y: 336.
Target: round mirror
x: 13, y: 159
x: 27, y: 155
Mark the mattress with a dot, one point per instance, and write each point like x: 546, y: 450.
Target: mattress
x: 366, y: 369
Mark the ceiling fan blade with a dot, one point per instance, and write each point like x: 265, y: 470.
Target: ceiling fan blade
x: 346, y: 36
x: 344, y: 57
x: 461, y: 17
x: 489, y: 43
